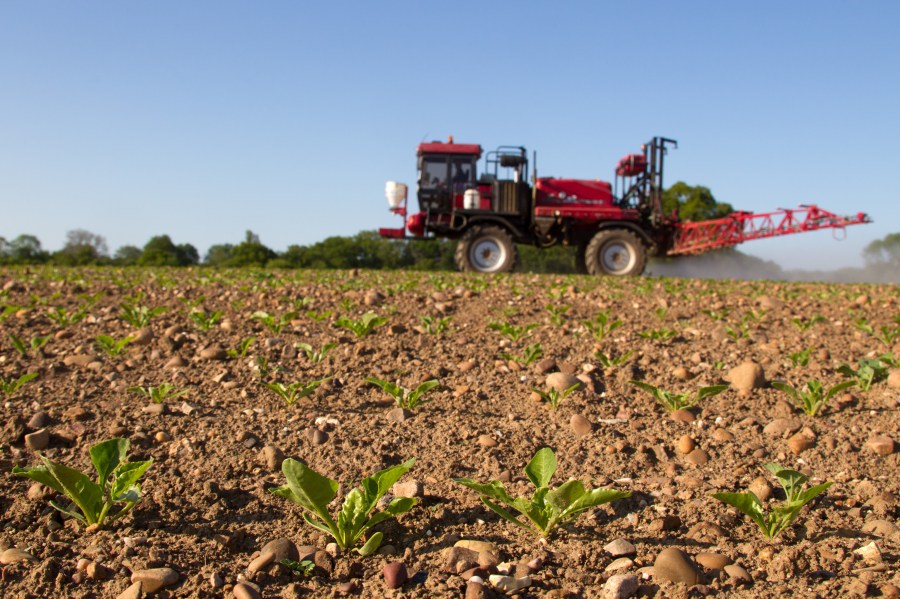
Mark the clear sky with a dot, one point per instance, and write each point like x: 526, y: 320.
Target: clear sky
x: 203, y: 119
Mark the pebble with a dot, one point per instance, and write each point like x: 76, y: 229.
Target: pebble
x: 410, y: 488
x: 78, y: 360
x: 620, y: 586
x: 132, y: 592
x: 893, y: 380
x: 175, y: 361
x: 561, y: 381
x: 620, y: 548
x: 162, y: 437
x: 213, y: 352
x: 155, y: 578
x: 466, y: 365
x: 761, y: 488
x: 800, y: 442
x: 681, y: 373
x: 260, y: 562
x: 879, y: 444
x: 580, y: 425
x: 746, y: 377
x: 622, y: 563
x: 712, y: 561
x: 720, y: 434
x: 475, y: 588
x: 38, y: 420
x: 685, y: 416
x: 273, y: 457
x: 395, y: 574
x: 780, y: 426
x: 216, y: 580
x: 477, y: 546
x: 318, y: 437
x: 14, y: 556
x: 686, y: 444
x: 398, y: 415
x: 869, y: 552
x: 242, y: 590
x: 509, y: 584
x: 737, y: 573
x: 487, y: 441
x: 674, y: 565
x: 698, y: 457
x: 37, y: 440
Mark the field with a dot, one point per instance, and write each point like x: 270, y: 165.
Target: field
x: 221, y: 342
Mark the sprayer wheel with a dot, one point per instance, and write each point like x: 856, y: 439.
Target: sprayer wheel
x: 615, y: 252
x: 486, y: 249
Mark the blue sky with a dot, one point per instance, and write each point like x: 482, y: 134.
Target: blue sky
x: 204, y: 119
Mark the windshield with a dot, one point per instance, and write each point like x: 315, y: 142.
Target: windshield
x: 434, y: 173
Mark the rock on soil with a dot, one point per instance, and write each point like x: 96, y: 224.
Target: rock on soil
x: 155, y: 578
x: 674, y: 565
x: 620, y: 586
x: 746, y: 377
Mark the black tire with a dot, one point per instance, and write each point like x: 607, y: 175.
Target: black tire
x: 487, y: 249
x: 580, y: 264
x: 615, y: 252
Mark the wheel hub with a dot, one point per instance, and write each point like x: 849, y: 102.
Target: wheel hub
x: 617, y: 257
x: 487, y: 255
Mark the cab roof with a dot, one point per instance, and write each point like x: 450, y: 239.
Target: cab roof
x: 436, y: 147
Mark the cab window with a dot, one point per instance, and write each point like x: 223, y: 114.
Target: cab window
x: 434, y: 173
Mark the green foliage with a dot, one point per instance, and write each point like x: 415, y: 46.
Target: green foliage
x: 717, y: 315
x: 553, y: 395
x: 884, y: 253
x: 812, y: 397
x: 679, y: 401
x: 548, y: 508
x: 868, y: 373
x: 313, y: 492
x: 35, y: 344
x: 294, y: 391
x: 160, y: 394
x: 511, y: 331
x: 804, y: 324
x: 800, y: 358
x: 111, y: 346
x: 10, y: 387
x: 601, y: 326
x: 782, y: 516
x: 275, y: 324
x: 408, y: 400
x: 434, y: 325
x: 139, y: 316
x: 693, y: 203
x: 886, y: 334
x: 608, y: 361
x: 557, y: 313
x: 319, y: 316
x: 315, y: 356
x: 241, y: 350
x: 64, y: 318
x: 161, y: 251
x: 116, y: 483
x: 303, y: 568
x: 366, y: 324
x: 529, y: 355
x: 203, y: 319
x: 659, y: 334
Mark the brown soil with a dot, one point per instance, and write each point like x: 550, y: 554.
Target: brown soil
x: 206, y: 507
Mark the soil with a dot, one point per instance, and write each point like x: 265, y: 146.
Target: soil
x: 207, y: 509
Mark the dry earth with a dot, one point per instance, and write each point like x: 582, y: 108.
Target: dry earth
x: 207, y: 511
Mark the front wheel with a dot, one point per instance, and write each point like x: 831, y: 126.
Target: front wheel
x: 615, y: 252
x: 486, y: 249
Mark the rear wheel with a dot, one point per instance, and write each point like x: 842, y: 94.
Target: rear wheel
x: 486, y: 249
x: 615, y: 252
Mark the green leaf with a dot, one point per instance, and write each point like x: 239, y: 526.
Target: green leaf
x: 749, y: 504
x: 561, y: 498
x: 372, y: 544
x: 810, y: 493
x: 713, y: 390
x: 126, y: 475
x: 785, y: 388
x: 591, y: 499
x: 79, y: 488
x: 838, y: 388
x: 309, y: 488
x: 386, y: 478
x: 503, y: 513
x: 541, y: 467
x: 40, y: 474
x: 315, y: 522
x: 106, y: 457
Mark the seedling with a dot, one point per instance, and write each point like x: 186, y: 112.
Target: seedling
x: 659, y: 334
x: 159, y: 394
x: 35, y: 344
x: 63, y: 318
x: 661, y: 313
x: 11, y: 387
x: 548, y: 508
x: 783, y: 515
x: 553, y: 395
x: 366, y: 324
x: 204, y: 320
x: 530, y: 354
x: 813, y: 397
x: 435, y: 326
x: 294, y: 391
x: 112, y: 347
x: 717, y: 315
x: 116, y: 483
x: 313, y: 492
x: 608, y: 361
x: 139, y: 316
x: 241, y: 350
x: 272, y: 323
x: 738, y: 332
x: 679, y: 401
x: 868, y: 373
x: 756, y: 316
x: 601, y: 326
x: 303, y: 568
x: 557, y: 313
x: 315, y: 356
x: 886, y: 334
x: 511, y: 331
x: 408, y: 400
x: 319, y: 316
x: 803, y: 324
x: 800, y: 358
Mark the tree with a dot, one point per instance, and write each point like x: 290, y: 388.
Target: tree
x: 82, y: 247
x: 250, y: 252
x: 884, y: 252
x: 693, y: 203
x: 219, y: 254
x: 24, y: 249
x: 127, y: 255
x: 160, y: 251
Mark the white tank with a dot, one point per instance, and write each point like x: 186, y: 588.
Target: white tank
x: 395, y: 193
x: 471, y: 199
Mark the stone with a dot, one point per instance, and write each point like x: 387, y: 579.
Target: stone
x: 674, y: 565
x: 737, y: 573
x: 712, y: 561
x: 398, y: 415
x: 869, y: 552
x: 620, y: 586
x: 620, y: 548
x: 621, y: 563
x: 475, y: 588
x: 477, y: 546
x: 38, y: 420
x: 260, y: 562
x: 761, y: 488
x: 580, y: 425
x: 14, y: 556
x: 487, y: 441
x: 37, y: 440
x: 154, y: 579
x: 800, y: 442
x: 881, y: 528
x: 97, y: 571
x: 880, y: 444
x: 698, y: 457
x: 685, y: 416
x: 410, y: 488
x: 509, y: 584
x: 78, y: 360
x: 746, y: 377
x: 242, y: 590
x: 681, y: 373
x: 175, y: 361
x: 720, y: 434
x: 685, y: 444
x: 273, y: 457
x: 318, y: 437
x: 213, y: 352
x: 395, y: 574
x: 132, y: 592
x: 893, y: 380
x: 780, y: 426
x: 561, y: 381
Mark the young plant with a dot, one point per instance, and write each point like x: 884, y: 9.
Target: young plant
x: 159, y: 394
x: 318, y: 316
x: 139, y: 316
x: 659, y: 334
x: 557, y: 313
x: 435, y: 326
x: 116, y: 483
x: 738, y: 332
x: 679, y: 401
x: 272, y: 323
x: 204, y: 320
x: 601, y: 326
x: 813, y: 397
x: 294, y: 391
x: 315, y: 355
x: 529, y: 355
x: 364, y: 326
x: 34, y: 345
x: 408, y: 400
x: 63, y: 318
x: 11, y: 387
x: 717, y: 315
x: 783, y: 515
x: 800, y: 358
x: 511, y: 331
x: 241, y: 350
x: 303, y: 568
x: 804, y: 324
x: 548, y: 508
x: 868, y: 373
x: 313, y: 492
x: 608, y: 361
x: 553, y: 395
x: 112, y: 347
